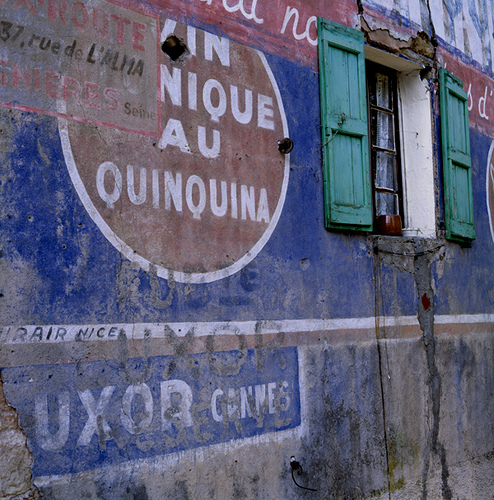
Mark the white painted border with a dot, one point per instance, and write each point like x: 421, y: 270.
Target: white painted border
x: 489, y: 158
x: 129, y: 253
x: 138, y: 331
x: 164, y: 462
x: 304, y: 409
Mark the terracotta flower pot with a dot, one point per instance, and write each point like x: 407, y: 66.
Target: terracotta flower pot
x: 389, y: 225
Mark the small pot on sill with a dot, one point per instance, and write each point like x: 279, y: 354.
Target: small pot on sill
x: 388, y: 225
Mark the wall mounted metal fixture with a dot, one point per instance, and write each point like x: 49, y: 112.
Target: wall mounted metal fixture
x: 285, y: 145
x: 295, y: 466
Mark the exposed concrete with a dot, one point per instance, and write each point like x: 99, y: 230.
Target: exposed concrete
x: 341, y: 445
x: 425, y: 300
x: 420, y: 47
x: 429, y: 440
x: 416, y: 374
x: 15, y: 457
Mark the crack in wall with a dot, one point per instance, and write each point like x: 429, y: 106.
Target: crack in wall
x: 414, y: 256
x: 422, y: 47
x: 425, y: 315
x: 377, y: 315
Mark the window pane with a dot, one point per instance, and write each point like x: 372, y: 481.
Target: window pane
x: 386, y: 204
x: 383, y: 91
x: 382, y: 126
x: 385, y: 170
x: 384, y: 139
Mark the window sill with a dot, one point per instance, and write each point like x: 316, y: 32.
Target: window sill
x: 401, y: 251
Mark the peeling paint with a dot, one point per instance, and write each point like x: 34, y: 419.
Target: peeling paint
x: 16, y: 459
x: 366, y: 357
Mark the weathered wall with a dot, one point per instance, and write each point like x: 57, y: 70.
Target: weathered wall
x: 158, y: 340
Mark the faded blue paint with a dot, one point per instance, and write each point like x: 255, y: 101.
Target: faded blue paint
x: 457, y: 288
x: 75, y: 276
x: 74, y: 441
x: 80, y: 281
x: 299, y: 274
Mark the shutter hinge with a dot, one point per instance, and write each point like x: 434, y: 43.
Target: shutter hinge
x: 340, y: 123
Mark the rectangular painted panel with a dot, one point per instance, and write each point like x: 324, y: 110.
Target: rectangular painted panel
x: 84, y: 62
x: 81, y: 416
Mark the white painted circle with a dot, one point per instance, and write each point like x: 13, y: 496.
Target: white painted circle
x: 122, y: 245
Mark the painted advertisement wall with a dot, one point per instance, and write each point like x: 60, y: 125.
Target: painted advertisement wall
x: 175, y: 319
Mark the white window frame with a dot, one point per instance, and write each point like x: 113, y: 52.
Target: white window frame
x: 417, y: 160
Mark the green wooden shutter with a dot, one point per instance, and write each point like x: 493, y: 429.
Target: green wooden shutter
x: 346, y: 170
x: 457, y: 165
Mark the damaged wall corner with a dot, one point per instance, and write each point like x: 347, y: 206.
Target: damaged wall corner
x: 15, y: 457
x: 420, y: 47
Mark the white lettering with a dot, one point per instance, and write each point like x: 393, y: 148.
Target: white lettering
x: 109, y: 198
x: 193, y: 91
x: 482, y: 103
x: 232, y: 408
x: 172, y: 83
x: 265, y: 112
x: 146, y: 417
x: 96, y: 422
x: 219, y: 211
x: 240, y: 403
x: 215, y: 101
x: 214, y: 111
x: 168, y: 29
x: 263, y: 209
x: 253, y: 203
x: 173, y: 190
x: 260, y: 392
x: 271, y: 389
x: 174, y: 135
x: 47, y: 440
x: 233, y: 192
x: 246, y: 400
x: 191, y: 40
x: 293, y: 12
x: 214, y: 150
x: 220, y: 45
x: 284, y: 394
x: 141, y: 197
x: 247, y: 202
x: 176, y: 402
x: 196, y: 210
x: 214, y: 405
x: 156, y: 189
x: 245, y: 116
x: 240, y: 6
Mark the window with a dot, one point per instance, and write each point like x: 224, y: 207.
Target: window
x: 376, y: 117
x: 384, y: 139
